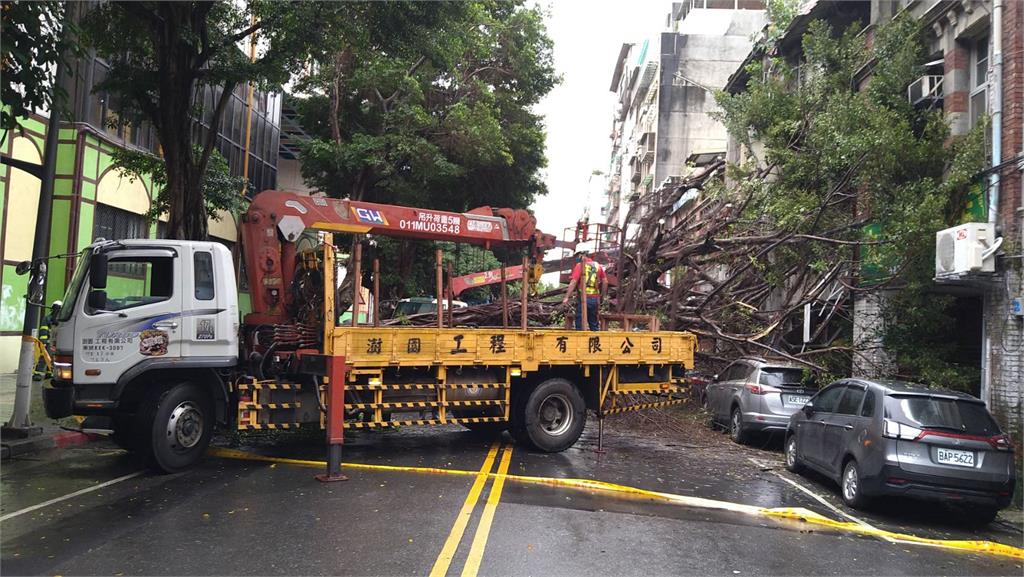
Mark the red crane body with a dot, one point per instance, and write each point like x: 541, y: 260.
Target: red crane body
x: 276, y: 219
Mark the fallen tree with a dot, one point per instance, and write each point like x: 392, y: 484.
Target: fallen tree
x: 841, y: 190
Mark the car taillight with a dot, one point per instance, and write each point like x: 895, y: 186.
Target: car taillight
x: 897, y: 430
x: 1000, y: 442
x: 762, y: 389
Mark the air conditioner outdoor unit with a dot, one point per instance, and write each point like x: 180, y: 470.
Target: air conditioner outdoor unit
x: 925, y: 88
x: 964, y: 250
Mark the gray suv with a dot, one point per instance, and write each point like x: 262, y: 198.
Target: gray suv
x: 895, y: 438
x: 754, y: 395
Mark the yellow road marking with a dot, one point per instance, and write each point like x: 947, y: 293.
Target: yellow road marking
x: 832, y: 507
x: 476, y: 551
x: 444, y: 559
x: 793, y: 513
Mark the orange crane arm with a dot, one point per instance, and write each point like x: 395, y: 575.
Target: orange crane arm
x: 276, y: 219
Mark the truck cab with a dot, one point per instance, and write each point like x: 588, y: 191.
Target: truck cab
x: 145, y: 335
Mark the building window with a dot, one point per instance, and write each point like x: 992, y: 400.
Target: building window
x: 115, y: 224
x: 979, y: 79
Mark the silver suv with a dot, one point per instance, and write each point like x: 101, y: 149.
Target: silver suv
x: 895, y: 438
x: 754, y: 395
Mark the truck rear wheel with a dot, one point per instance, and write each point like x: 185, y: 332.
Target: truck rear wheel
x: 180, y: 421
x: 552, y: 416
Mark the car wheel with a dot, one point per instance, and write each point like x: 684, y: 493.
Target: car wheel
x: 737, y: 430
x: 793, y: 463
x: 851, y: 486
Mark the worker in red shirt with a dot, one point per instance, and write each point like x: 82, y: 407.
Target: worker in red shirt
x: 595, y: 283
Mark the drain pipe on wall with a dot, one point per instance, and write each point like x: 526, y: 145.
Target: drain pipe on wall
x: 996, y: 85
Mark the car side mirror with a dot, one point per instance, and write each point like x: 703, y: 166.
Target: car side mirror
x: 98, y: 272
x: 97, y: 300
x: 808, y: 408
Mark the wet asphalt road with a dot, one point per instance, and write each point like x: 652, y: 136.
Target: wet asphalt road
x: 230, y: 516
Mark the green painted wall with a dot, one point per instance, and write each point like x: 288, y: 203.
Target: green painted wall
x: 12, y: 300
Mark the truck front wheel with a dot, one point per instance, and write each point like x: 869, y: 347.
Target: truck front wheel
x: 553, y: 416
x: 180, y: 421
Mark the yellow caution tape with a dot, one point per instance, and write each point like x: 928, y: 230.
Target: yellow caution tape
x: 790, y: 513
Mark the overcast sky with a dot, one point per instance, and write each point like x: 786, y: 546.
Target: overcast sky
x: 587, y: 37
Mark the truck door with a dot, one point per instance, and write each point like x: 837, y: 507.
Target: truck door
x: 209, y: 323
x: 141, y: 318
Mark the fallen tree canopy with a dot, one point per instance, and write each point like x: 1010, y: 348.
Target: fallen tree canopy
x: 841, y: 190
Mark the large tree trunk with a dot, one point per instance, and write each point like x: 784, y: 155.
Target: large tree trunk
x: 178, y: 69
x: 187, y: 213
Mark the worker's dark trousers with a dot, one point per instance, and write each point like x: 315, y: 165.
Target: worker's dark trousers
x: 592, y: 303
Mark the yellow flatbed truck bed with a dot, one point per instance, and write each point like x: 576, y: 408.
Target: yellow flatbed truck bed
x: 537, y: 383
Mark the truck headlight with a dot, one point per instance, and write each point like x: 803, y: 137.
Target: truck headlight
x: 62, y: 371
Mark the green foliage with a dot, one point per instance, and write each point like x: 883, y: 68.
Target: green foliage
x: 852, y: 161
x: 33, y: 44
x: 223, y: 191
x: 780, y: 15
x: 429, y: 104
x: 163, y: 54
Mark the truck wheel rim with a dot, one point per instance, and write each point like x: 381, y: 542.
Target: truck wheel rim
x: 555, y: 414
x: 185, y: 426
x: 850, y: 483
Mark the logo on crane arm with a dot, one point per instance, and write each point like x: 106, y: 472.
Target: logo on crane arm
x: 369, y: 216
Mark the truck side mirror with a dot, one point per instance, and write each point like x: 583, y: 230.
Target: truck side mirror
x: 98, y: 273
x: 97, y: 300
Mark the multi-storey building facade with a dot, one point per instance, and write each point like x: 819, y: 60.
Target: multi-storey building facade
x: 665, y: 98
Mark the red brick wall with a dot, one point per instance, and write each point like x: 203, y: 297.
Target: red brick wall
x: 1013, y: 116
x: 956, y: 59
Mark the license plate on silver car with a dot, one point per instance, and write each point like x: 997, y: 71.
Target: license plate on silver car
x: 954, y: 457
x: 796, y: 399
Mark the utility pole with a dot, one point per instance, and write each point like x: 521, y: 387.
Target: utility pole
x: 19, y: 425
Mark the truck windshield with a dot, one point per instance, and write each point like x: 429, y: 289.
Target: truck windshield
x: 81, y: 268
x: 942, y: 413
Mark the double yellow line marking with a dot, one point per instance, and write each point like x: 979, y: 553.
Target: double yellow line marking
x: 476, y: 551
x: 480, y: 540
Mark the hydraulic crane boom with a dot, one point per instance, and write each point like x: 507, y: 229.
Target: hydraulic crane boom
x: 276, y: 219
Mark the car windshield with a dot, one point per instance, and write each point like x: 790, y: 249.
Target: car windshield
x: 942, y: 413
x: 781, y: 377
x: 67, y: 307
x: 409, y: 308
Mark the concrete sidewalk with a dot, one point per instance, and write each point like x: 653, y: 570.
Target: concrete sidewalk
x: 55, y: 433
